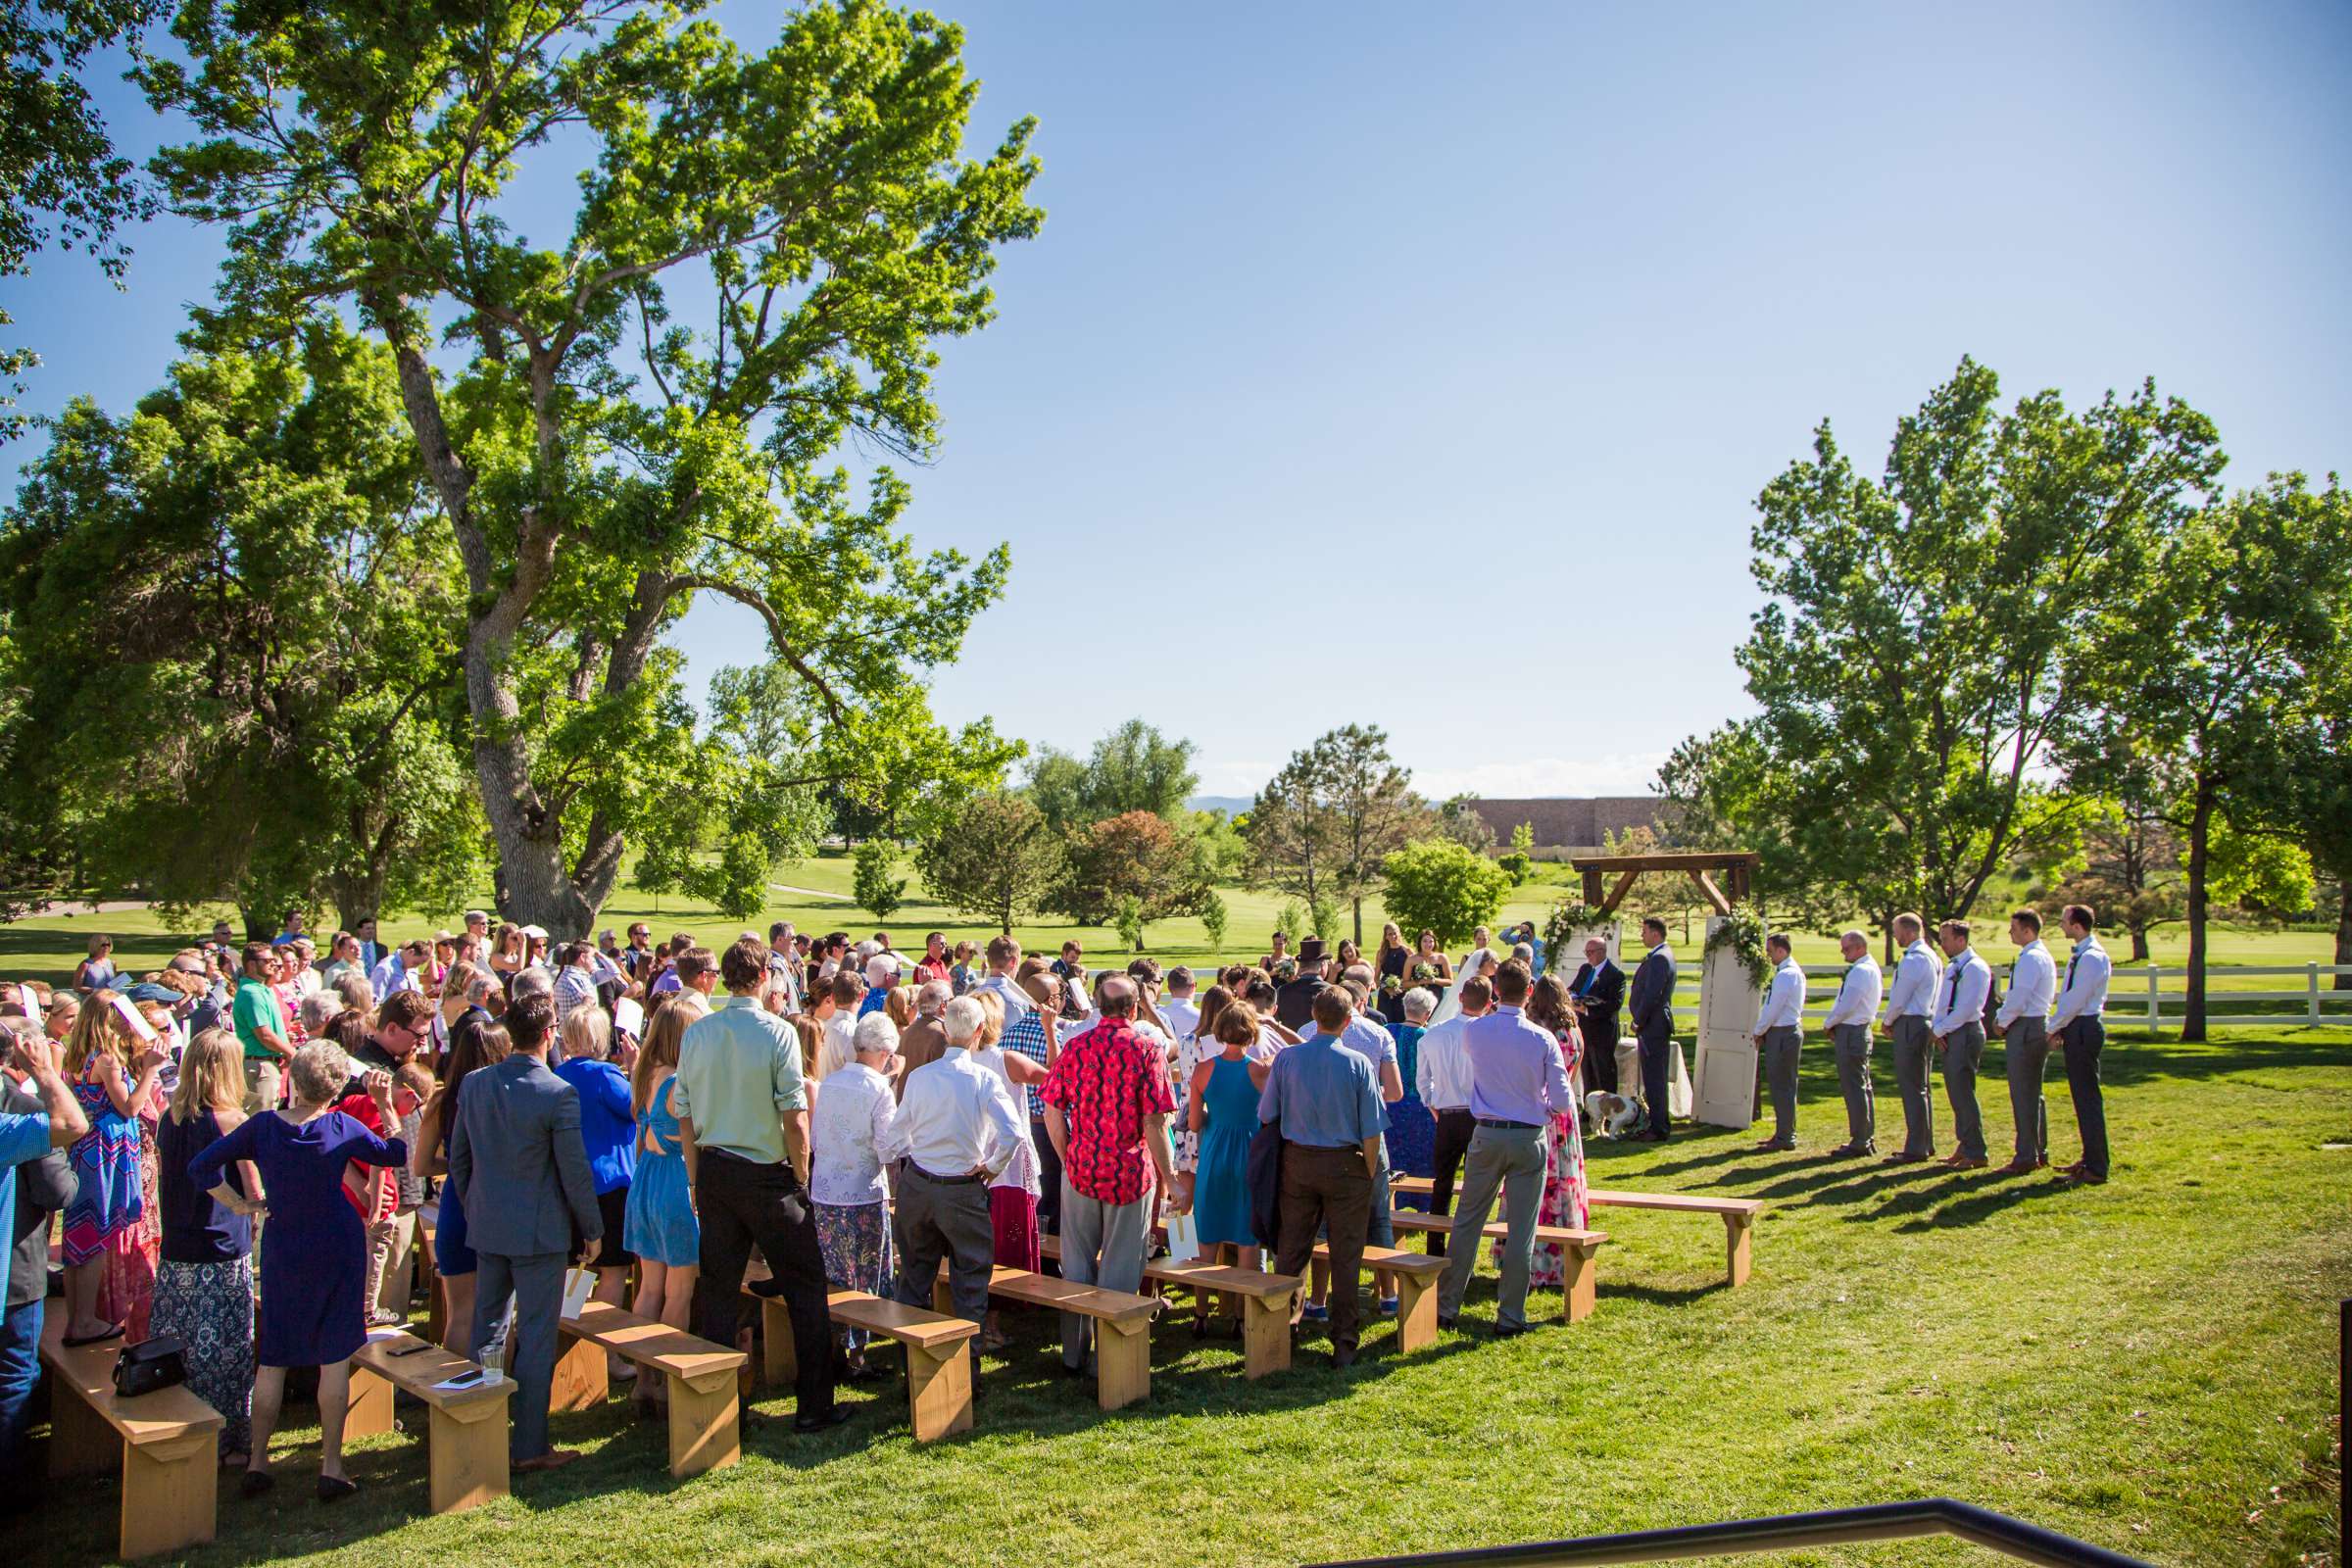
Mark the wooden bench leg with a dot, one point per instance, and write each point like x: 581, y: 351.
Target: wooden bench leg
x: 370, y: 1413
x: 437, y: 1316
x: 1737, y: 1229
x: 583, y: 1378
x: 706, y: 1424
x: 1416, y: 1313
x: 942, y: 1298
x: 939, y: 1390
x: 1122, y: 1363
x: 168, y: 1493
x: 778, y: 1364
x: 469, y: 1455
x: 1265, y: 1335
x: 1576, y: 1297
x: 80, y: 1443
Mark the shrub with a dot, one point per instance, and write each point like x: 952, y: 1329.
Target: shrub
x: 1446, y: 886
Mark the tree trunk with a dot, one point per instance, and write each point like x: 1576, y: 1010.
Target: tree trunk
x: 260, y: 926
x: 2344, y: 931
x: 2200, y: 821
x: 1360, y: 924
x: 2140, y: 943
x: 357, y: 897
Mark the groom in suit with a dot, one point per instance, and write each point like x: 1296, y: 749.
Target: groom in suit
x: 1653, y: 1004
x: 518, y: 1161
x: 1598, y: 989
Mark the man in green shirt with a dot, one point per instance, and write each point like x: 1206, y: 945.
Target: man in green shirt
x: 261, y: 1025
x: 743, y: 1121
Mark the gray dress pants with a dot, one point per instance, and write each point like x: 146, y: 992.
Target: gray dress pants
x: 1913, y: 1047
x: 1505, y: 1160
x: 1853, y: 1043
x: 1781, y: 1047
x: 936, y: 1219
x: 1962, y: 1055
x: 2027, y: 1052
x: 1102, y: 1244
x: 536, y: 1283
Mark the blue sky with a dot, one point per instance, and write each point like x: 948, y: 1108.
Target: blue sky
x: 1418, y: 366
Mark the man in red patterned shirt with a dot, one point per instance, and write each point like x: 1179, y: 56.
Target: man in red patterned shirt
x: 1107, y: 1105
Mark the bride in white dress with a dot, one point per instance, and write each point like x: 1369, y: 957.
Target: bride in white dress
x: 1478, y: 961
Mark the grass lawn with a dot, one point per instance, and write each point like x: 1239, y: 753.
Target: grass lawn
x: 2150, y: 1365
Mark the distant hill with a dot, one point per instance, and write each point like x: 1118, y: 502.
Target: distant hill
x: 1230, y: 805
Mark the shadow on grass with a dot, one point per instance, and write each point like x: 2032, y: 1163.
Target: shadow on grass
x: 1660, y: 1295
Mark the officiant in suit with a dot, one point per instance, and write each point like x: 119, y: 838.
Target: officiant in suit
x: 1652, y: 1000
x: 1599, y: 994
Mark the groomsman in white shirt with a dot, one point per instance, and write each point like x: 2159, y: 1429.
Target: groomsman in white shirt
x: 1848, y: 1028
x: 1959, y: 1029
x: 1780, y: 1031
x: 2024, y: 1028
x: 2081, y: 1033
x: 1910, y: 1008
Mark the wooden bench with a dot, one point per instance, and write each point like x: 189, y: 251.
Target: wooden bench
x: 1122, y: 1325
x: 466, y: 1443
x: 938, y: 1363
x: 1738, y: 1214
x: 1418, y: 1275
x: 1739, y: 1217
x: 706, y: 1419
x: 167, y: 1445
x: 1577, y: 1274
x: 1265, y: 1301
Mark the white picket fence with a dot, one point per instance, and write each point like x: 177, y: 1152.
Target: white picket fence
x: 2138, y: 992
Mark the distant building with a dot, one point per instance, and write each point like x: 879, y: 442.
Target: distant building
x: 1574, y: 824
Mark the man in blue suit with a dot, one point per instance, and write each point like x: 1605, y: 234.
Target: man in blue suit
x: 522, y: 1169
x: 1651, y: 1002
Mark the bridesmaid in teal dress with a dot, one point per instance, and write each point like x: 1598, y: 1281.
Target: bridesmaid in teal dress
x: 1222, y: 1111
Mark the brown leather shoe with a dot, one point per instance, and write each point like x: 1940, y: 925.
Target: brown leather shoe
x: 2014, y: 1168
x: 552, y: 1460
x: 1965, y: 1163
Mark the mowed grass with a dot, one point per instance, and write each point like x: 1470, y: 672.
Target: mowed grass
x: 2150, y: 1365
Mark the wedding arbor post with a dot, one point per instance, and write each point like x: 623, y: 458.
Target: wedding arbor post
x: 1725, y: 1090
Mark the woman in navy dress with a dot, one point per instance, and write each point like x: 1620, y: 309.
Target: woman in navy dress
x: 314, y: 1247
x: 474, y: 1042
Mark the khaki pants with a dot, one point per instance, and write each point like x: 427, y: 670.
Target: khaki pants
x: 391, y: 1276
x: 265, y: 1076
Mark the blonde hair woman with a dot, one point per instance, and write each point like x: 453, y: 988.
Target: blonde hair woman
x: 114, y: 1078
x: 204, y: 1281
x: 314, y: 1250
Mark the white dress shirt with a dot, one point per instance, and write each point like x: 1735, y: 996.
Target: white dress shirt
x: 2088, y: 975
x: 2032, y: 984
x: 1916, y: 974
x: 1017, y: 1000
x: 1182, y: 1017
x: 847, y: 1133
x: 1784, y: 1002
x: 956, y: 1117
x: 840, y: 1047
x: 1960, y: 994
x: 1441, y: 1074
x: 1022, y: 1170
x: 1857, y: 995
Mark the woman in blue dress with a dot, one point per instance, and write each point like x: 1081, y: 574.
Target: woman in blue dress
x: 660, y: 1226
x: 1222, y: 1111
x: 1413, y: 1129
x: 314, y: 1247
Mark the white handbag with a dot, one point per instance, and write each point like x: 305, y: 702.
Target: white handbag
x: 577, y: 1284
x: 1183, y: 1238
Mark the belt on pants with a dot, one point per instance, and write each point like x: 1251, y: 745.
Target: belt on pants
x: 964, y: 1180
x: 1515, y: 1126
x: 1328, y: 1148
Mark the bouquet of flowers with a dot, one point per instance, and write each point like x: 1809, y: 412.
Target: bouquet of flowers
x: 1390, y: 985
x: 1425, y: 973
x: 1286, y: 971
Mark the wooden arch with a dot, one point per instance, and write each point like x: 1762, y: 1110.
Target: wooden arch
x: 1738, y: 868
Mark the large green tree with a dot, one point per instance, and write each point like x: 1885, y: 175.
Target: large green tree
x: 61, y: 183
x: 231, y: 668
x: 1928, y: 636
x: 2230, y: 649
x: 600, y: 464
x: 1374, y: 810
x: 997, y: 858
x: 1133, y: 768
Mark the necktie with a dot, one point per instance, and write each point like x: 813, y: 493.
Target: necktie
x: 1954, y: 999
x: 2073, y: 959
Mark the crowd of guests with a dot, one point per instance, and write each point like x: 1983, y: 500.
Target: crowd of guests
x: 858, y: 1115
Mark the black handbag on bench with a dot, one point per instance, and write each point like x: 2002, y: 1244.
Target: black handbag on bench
x: 151, y: 1364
